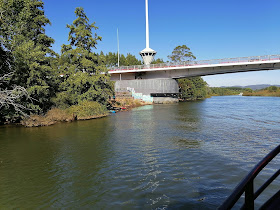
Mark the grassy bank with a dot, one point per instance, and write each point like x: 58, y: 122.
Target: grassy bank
x: 84, y: 111
x: 272, y: 91
x: 262, y: 93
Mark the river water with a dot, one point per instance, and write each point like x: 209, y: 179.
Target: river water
x: 183, y: 156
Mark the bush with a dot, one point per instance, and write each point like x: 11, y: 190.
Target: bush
x: 87, y: 109
x: 272, y: 88
x: 84, y: 110
x: 53, y: 116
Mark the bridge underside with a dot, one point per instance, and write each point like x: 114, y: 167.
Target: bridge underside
x: 161, y: 90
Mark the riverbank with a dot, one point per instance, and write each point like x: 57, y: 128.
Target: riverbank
x: 265, y: 92
x: 86, y: 111
x: 55, y: 116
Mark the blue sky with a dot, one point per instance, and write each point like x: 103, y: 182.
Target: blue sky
x: 212, y: 29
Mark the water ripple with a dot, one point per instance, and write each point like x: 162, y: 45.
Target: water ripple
x: 183, y: 156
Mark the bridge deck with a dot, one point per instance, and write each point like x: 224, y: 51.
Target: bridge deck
x: 197, y: 64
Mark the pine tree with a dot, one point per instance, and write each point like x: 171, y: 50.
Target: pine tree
x: 85, y: 77
x: 24, y: 41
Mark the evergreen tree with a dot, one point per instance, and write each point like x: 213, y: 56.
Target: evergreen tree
x: 85, y: 76
x: 111, y: 60
x: 26, y: 48
x: 132, y: 60
x: 157, y: 61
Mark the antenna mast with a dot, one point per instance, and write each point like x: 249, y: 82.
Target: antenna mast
x: 118, y: 47
x: 147, y: 26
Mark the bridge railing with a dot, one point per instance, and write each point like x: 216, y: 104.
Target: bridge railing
x: 199, y: 62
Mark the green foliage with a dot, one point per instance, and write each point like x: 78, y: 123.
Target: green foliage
x: 85, y: 74
x: 26, y: 55
x: 111, y: 59
x: 157, y: 61
x: 193, y: 88
x: 272, y: 91
x: 219, y: 91
x: 190, y: 88
x: 272, y: 88
x: 248, y: 90
x: 87, y: 109
x: 25, y: 51
x: 181, y: 53
x: 132, y: 60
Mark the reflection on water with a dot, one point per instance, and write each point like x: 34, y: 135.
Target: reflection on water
x: 187, y: 156
x: 186, y: 143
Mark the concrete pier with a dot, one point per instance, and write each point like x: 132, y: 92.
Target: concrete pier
x: 162, y: 90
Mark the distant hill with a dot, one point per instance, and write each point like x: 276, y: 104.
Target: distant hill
x: 253, y: 87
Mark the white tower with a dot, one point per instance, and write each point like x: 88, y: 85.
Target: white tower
x: 147, y: 54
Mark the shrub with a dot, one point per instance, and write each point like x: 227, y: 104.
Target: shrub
x: 272, y: 88
x: 87, y: 109
x: 53, y: 116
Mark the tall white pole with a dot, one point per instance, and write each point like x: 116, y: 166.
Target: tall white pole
x: 118, y: 47
x: 147, y: 27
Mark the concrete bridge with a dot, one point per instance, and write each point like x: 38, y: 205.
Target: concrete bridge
x: 159, y: 80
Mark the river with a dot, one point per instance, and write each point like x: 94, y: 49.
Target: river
x: 189, y: 155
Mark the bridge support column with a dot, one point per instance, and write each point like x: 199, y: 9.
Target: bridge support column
x: 161, y: 90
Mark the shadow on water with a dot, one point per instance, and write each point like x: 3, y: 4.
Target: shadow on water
x: 52, y: 166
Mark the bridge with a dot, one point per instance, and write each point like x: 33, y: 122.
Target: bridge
x: 196, y: 68
x: 158, y: 81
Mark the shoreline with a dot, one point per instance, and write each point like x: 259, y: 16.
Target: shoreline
x: 31, y: 122
x: 43, y: 121
x: 59, y: 117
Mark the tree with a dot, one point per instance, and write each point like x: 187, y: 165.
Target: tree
x: 11, y: 106
x: 132, y: 60
x: 26, y: 49
x: 157, y: 61
x: 191, y: 88
x: 272, y: 88
x: 85, y: 75
x: 181, y: 54
x: 111, y: 60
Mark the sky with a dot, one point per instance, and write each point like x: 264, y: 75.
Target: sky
x: 212, y: 29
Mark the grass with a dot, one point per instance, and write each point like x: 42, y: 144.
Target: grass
x: 53, y: 116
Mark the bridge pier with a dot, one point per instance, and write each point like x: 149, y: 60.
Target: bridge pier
x: 159, y: 91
